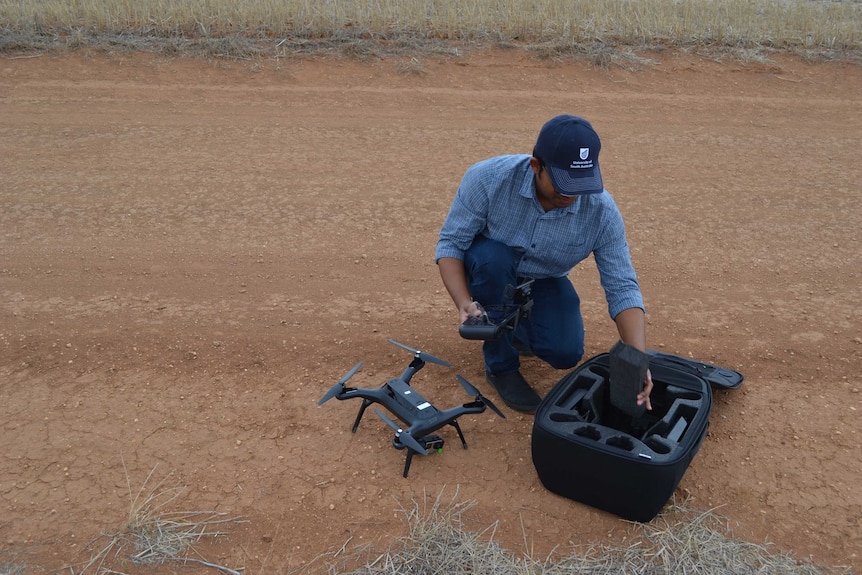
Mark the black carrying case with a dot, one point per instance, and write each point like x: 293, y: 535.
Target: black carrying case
x: 586, y: 449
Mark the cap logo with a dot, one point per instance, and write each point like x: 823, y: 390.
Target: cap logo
x: 583, y: 162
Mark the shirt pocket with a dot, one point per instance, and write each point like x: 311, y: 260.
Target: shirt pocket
x: 568, y: 253
x: 550, y: 258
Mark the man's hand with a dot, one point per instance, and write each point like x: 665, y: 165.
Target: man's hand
x: 643, y: 397
x: 471, y: 309
x: 631, y: 325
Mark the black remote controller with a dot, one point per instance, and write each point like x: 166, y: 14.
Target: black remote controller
x: 479, y: 327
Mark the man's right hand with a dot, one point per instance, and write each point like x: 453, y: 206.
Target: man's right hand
x: 455, y: 281
x: 471, y: 309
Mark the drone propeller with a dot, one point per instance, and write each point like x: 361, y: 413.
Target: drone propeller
x: 402, y: 435
x: 336, y: 389
x: 422, y: 355
x: 471, y: 390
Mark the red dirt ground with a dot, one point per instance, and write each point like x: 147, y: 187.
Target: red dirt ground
x: 192, y: 253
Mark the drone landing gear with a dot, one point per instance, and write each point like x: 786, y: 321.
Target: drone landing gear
x: 431, y: 443
x: 365, y: 403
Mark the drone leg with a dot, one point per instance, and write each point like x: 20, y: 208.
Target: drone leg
x: 408, y: 461
x: 362, y: 408
x: 461, y: 435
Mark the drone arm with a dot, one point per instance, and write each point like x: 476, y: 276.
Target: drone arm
x: 375, y: 394
x: 415, y: 365
x: 472, y: 408
x: 368, y: 396
x: 449, y: 417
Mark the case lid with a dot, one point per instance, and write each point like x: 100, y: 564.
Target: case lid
x: 715, y: 375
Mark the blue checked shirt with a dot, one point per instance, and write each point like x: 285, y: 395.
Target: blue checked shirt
x: 497, y: 199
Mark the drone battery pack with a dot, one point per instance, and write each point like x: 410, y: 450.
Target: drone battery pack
x: 628, y: 368
x: 586, y: 449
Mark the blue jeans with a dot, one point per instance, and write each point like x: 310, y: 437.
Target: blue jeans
x: 554, y: 331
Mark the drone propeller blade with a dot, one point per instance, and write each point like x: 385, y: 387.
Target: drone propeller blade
x: 388, y: 420
x: 402, y: 435
x: 493, y: 407
x: 471, y: 390
x: 350, y: 373
x: 336, y: 389
x: 468, y: 387
x: 333, y: 391
x: 422, y: 355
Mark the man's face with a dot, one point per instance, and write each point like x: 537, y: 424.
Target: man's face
x: 547, y: 195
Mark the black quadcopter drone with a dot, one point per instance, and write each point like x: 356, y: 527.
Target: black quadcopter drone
x: 421, y: 418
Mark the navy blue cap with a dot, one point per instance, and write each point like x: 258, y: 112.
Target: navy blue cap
x: 569, y: 147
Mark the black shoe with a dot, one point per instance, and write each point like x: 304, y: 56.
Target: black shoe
x: 522, y: 348
x: 515, y: 391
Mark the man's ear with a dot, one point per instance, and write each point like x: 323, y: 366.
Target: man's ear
x: 534, y: 163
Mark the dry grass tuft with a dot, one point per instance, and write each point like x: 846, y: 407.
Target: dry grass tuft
x: 680, y: 540
x: 412, y: 66
x: 152, y: 535
x: 684, y: 540
x: 13, y: 568
x: 368, y: 28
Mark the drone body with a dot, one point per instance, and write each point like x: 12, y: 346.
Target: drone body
x: 421, y: 418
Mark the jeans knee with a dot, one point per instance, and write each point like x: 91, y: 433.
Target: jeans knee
x: 491, y: 255
x: 490, y: 265
x: 562, y: 358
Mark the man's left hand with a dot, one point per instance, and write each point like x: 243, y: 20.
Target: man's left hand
x: 643, y: 397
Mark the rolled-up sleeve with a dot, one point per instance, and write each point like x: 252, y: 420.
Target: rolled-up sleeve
x: 616, y: 272
x: 466, y: 219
